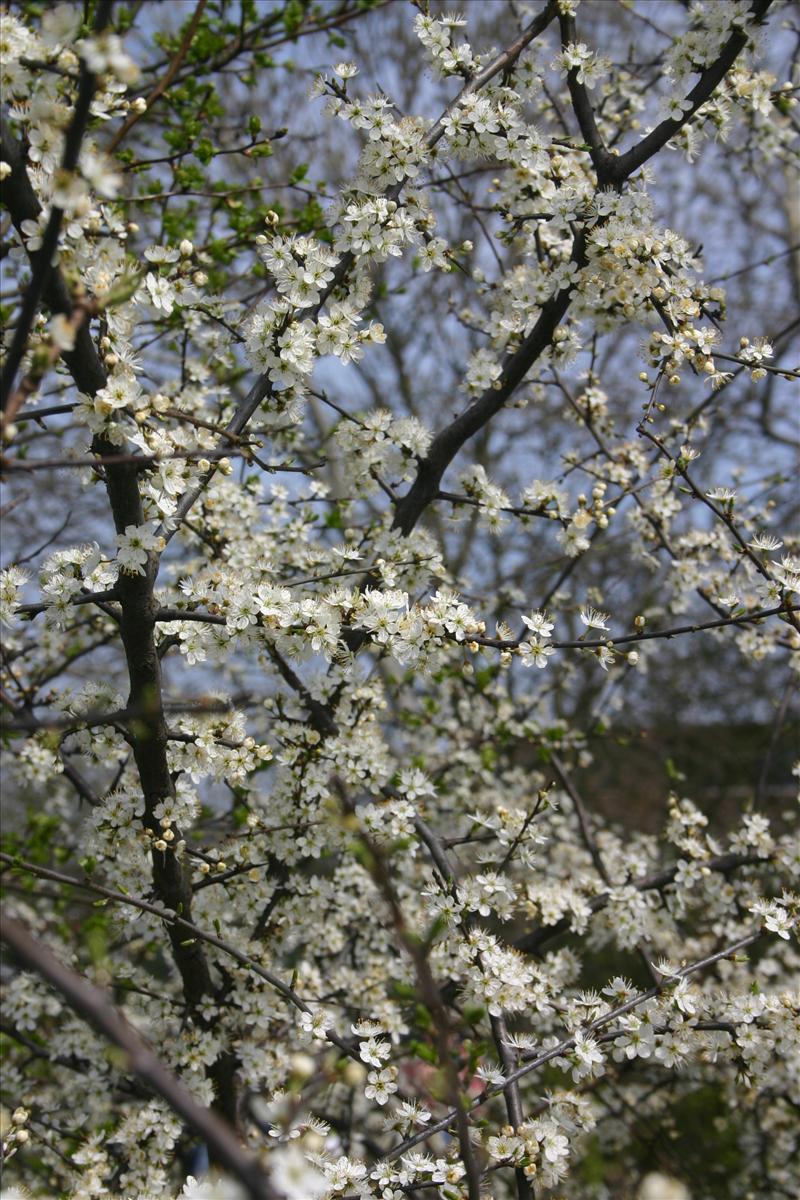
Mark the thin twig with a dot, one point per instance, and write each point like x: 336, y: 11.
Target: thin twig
x: 165, y: 80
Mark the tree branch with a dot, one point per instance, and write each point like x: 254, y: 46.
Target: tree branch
x: 42, y: 261
x: 448, y: 442
x: 165, y: 80
x: 582, y: 106
x: 90, y: 1003
x: 513, y: 1099
x: 183, y: 928
x: 611, y: 169
x: 262, y: 387
x: 620, y: 167
x: 171, y: 878
x: 566, y: 1045
x: 723, y: 863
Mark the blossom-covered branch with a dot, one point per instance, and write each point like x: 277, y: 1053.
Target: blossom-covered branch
x: 399, y: 601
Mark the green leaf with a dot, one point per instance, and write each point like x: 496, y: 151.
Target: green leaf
x: 293, y: 16
x: 423, y: 1051
x: 204, y: 150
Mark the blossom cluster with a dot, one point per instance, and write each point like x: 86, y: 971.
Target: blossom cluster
x: 284, y: 785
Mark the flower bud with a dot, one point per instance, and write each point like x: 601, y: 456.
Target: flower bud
x: 303, y: 1067
x: 354, y: 1074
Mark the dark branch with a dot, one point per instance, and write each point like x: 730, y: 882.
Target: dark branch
x: 622, y: 166
x: 42, y: 260
x: 447, y: 444
x: 90, y: 1003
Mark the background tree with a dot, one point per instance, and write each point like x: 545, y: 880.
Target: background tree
x: 400, y: 599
